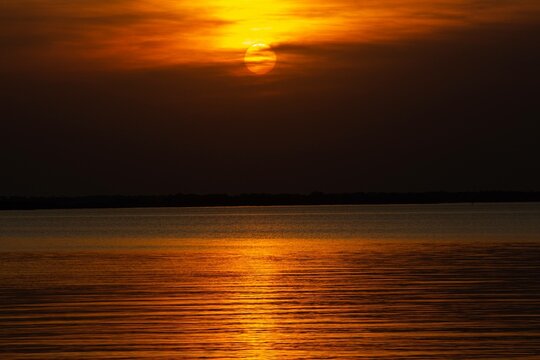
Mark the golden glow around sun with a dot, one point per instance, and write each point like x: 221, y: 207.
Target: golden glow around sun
x: 156, y: 33
x: 260, y: 59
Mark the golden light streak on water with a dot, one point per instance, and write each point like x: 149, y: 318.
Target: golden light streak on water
x: 372, y: 282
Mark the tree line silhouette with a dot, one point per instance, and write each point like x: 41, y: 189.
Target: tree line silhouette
x: 314, y: 198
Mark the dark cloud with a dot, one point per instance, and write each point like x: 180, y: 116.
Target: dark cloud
x: 90, y: 34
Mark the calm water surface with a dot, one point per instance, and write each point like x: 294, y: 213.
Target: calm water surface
x: 313, y: 282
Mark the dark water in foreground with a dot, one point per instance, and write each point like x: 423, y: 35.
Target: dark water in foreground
x: 322, y: 282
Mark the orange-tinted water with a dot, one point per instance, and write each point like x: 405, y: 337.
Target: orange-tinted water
x: 409, y: 282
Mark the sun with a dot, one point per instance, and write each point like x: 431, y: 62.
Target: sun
x: 260, y: 59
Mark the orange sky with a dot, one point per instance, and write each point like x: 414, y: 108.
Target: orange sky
x: 154, y: 33
x: 153, y: 96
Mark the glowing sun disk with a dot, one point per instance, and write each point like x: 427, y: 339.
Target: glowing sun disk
x: 260, y: 59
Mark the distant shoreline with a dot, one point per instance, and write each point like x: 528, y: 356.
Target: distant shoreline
x: 316, y: 198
